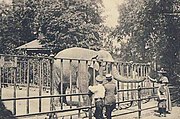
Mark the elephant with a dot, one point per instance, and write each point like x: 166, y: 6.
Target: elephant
x: 82, y: 73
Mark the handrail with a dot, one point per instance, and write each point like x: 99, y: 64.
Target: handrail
x: 55, y: 111
x: 46, y: 96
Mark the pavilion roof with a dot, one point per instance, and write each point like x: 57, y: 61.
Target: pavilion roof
x: 35, y: 44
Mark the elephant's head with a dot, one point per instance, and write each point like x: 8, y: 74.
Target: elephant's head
x: 104, y: 63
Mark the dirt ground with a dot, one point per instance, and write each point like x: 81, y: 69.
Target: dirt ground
x: 151, y: 113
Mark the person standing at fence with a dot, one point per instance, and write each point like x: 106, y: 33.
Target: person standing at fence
x: 110, y: 98
x: 162, y: 98
x: 98, y: 95
x: 165, y: 82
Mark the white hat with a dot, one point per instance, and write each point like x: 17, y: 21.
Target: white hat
x: 108, y: 76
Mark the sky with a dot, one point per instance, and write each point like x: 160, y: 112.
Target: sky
x: 111, y: 11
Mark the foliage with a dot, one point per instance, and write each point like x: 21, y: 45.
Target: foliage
x: 63, y: 23
x: 70, y: 23
x: 6, y: 28
x: 150, y: 33
x: 16, y: 25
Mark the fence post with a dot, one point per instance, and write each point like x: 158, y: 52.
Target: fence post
x: 139, y: 102
x: 28, y: 86
x: 0, y: 84
x: 1, y: 65
x: 15, y: 87
x: 90, y: 108
x: 51, y: 59
x: 153, y: 89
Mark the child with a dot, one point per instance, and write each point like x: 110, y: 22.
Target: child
x: 98, y: 93
x: 162, y: 100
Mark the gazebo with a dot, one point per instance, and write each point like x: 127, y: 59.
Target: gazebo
x: 34, y: 48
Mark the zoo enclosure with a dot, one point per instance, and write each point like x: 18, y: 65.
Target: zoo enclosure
x: 22, y: 74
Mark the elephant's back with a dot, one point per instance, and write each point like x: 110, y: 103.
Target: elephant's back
x: 76, y: 53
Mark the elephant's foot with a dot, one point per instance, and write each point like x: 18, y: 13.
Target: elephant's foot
x: 74, y: 103
x: 58, y: 102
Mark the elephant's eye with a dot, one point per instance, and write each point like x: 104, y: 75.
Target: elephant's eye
x: 102, y: 64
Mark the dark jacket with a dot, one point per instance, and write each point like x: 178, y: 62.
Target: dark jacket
x: 110, y: 92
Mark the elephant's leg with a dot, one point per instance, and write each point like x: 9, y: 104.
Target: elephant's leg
x: 60, y: 100
x: 64, y: 87
x: 83, y: 87
x: 56, y: 99
x: 90, y: 76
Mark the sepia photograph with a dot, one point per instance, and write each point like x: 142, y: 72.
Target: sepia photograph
x: 89, y: 59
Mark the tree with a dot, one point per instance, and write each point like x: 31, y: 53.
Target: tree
x: 70, y: 23
x: 171, y: 54
x: 138, y: 25
x: 149, y: 31
x: 17, y: 23
x: 63, y: 23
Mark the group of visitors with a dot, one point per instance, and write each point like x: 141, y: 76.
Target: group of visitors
x: 104, y: 96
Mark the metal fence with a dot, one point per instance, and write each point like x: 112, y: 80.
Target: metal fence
x: 28, y: 86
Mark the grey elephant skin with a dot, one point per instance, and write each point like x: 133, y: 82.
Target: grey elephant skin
x: 81, y: 73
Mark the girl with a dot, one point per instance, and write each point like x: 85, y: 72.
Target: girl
x: 162, y: 100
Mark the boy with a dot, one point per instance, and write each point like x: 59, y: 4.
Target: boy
x: 98, y: 93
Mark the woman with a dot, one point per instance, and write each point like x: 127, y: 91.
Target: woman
x: 164, y: 80
x: 162, y: 98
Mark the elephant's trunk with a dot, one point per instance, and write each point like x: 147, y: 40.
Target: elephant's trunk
x: 124, y: 79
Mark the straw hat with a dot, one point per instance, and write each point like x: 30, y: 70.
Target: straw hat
x: 100, y: 78
x: 164, y: 80
x: 162, y: 71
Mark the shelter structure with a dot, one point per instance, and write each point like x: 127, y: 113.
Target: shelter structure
x: 34, y: 48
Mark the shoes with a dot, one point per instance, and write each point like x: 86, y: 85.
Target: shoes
x: 168, y: 112
x: 160, y: 115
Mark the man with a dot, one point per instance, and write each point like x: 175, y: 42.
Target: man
x: 110, y: 98
x: 98, y: 94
